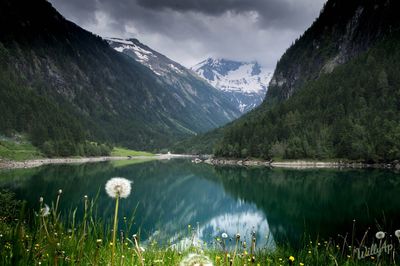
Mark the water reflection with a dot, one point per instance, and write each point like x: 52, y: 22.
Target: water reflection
x: 279, y: 205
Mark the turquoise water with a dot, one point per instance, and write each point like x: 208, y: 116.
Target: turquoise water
x: 278, y: 205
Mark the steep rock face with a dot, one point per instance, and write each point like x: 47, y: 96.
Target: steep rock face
x: 108, y: 96
x: 344, y: 30
x: 245, y: 84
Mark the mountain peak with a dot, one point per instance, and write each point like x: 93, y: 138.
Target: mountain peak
x: 245, y: 82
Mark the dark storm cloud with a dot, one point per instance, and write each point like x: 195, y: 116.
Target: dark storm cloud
x: 190, y: 30
x: 271, y: 11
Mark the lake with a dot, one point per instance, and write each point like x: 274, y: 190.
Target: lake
x: 279, y: 205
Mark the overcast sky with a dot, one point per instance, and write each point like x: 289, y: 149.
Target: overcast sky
x: 189, y: 31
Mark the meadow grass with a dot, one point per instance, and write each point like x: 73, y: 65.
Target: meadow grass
x: 123, y: 152
x: 18, y: 150
x: 46, y: 238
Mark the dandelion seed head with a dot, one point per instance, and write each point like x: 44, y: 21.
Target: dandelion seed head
x: 118, y: 187
x: 380, y: 235
x: 45, y: 211
x: 224, y: 236
x: 59, y: 191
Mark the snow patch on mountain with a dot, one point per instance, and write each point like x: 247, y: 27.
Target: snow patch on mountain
x: 243, y: 82
x: 156, y: 62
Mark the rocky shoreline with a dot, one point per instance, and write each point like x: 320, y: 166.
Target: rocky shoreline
x: 300, y: 164
x: 6, y: 164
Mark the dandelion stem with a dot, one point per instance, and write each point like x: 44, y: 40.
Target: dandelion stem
x: 115, y: 229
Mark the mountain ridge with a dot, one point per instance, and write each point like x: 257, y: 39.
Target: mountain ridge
x: 318, y: 110
x: 95, y: 93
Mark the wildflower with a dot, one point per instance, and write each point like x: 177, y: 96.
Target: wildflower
x: 59, y: 191
x: 309, y: 252
x: 118, y: 187
x: 380, y: 235
x: 397, y: 233
x: 224, y: 236
x: 301, y: 264
x: 45, y: 211
x: 237, y: 236
x: 195, y: 259
x: 291, y: 258
x: 41, y: 199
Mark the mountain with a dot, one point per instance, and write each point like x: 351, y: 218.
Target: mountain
x: 64, y: 86
x: 334, y: 94
x: 206, y: 107
x: 245, y: 84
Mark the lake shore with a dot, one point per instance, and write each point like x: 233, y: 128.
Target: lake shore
x: 298, y: 164
x: 8, y: 164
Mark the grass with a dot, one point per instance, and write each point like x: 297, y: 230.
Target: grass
x: 18, y: 149
x: 122, y: 152
x: 49, y: 239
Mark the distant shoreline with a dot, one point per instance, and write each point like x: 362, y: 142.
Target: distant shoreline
x: 7, y: 164
x: 298, y: 164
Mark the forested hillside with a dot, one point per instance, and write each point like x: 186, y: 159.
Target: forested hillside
x: 336, y: 97
x: 66, y: 88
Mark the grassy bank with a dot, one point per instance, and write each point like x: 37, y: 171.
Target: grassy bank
x: 123, y: 152
x: 46, y: 238
x: 18, y: 149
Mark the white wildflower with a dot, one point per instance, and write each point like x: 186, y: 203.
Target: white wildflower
x: 380, y: 235
x: 59, y: 191
x: 118, y: 186
x: 397, y: 233
x: 196, y: 259
x: 224, y: 236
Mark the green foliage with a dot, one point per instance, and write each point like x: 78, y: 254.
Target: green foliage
x: 10, y: 207
x: 352, y: 113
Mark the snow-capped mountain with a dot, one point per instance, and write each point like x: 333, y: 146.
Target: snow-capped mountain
x: 245, y: 84
x: 210, y: 106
